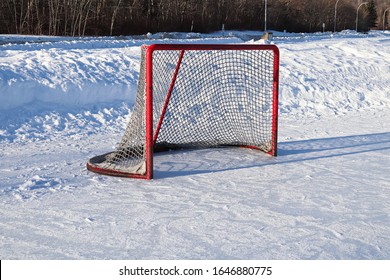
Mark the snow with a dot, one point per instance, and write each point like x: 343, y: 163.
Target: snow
x: 326, y: 195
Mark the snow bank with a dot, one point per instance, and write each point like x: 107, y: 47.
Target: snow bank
x: 335, y: 75
x: 319, y: 74
x: 325, y: 74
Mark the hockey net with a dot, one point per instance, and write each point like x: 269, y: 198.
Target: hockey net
x: 198, y: 96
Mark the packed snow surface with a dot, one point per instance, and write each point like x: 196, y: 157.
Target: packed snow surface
x: 326, y: 195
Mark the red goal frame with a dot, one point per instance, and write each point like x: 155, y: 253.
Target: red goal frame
x: 151, y: 139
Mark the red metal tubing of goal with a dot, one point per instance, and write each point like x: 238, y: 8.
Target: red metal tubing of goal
x: 275, y: 103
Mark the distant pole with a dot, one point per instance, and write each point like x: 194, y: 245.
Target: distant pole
x: 357, y: 14
x: 384, y: 18
x: 335, y: 16
x: 265, y: 15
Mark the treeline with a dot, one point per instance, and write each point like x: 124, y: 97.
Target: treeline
x: 126, y: 17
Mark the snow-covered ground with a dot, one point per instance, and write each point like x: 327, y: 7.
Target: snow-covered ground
x: 326, y: 196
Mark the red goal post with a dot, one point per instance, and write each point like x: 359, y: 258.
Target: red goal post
x: 198, y: 95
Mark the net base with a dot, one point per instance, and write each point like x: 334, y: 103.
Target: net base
x: 103, y: 165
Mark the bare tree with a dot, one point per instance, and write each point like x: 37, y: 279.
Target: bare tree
x: 118, y: 3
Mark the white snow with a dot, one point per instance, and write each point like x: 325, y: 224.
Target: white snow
x: 326, y: 196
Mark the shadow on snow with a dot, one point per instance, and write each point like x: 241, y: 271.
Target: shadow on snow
x: 190, y: 162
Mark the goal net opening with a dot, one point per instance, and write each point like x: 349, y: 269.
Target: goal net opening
x: 198, y: 96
